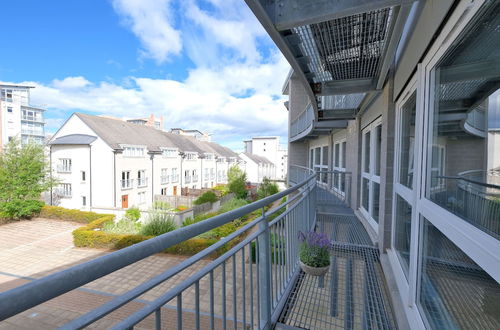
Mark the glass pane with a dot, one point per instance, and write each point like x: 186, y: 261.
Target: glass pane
x: 337, y: 154
x: 343, y: 155
x: 402, y: 232
x: 366, y: 148
x: 455, y: 293
x: 464, y: 165
x: 311, y: 158
x: 407, y: 141
x: 364, y: 192
x: 378, y: 145
x: 376, y: 201
x: 325, y: 156
x: 317, y: 156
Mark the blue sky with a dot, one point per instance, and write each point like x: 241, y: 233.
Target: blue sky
x: 207, y: 64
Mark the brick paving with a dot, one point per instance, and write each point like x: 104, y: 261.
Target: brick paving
x: 36, y: 248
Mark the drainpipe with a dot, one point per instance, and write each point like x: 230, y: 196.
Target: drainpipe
x: 90, y: 177
x: 152, y: 178
x: 201, y: 173
x: 51, y: 183
x: 181, y: 173
x: 114, y: 179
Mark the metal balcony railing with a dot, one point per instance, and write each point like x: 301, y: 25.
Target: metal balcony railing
x: 187, y: 179
x: 255, y: 276
x: 127, y: 184
x: 64, y: 168
x: 175, y: 178
x: 303, y: 122
x: 142, y: 182
x: 195, y: 178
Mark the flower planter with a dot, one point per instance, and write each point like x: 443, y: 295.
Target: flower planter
x: 314, y: 271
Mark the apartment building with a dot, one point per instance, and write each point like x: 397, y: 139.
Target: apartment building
x: 18, y: 117
x: 110, y: 163
x: 199, y: 135
x: 270, y: 148
x: 257, y: 167
x: 399, y: 106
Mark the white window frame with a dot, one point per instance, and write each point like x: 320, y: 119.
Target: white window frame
x: 340, y: 168
x: 169, y: 152
x: 370, y: 174
x: 66, y: 190
x: 191, y: 156
x: 164, y: 177
x: 133, y: 151
x: 126, y: 181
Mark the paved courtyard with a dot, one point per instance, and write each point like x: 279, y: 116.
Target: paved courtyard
x: 33, y: 249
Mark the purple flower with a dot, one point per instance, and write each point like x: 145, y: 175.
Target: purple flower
x: 314, y: 239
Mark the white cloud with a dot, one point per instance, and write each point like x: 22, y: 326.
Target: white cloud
x: 152, y: 22
x: 215, y: 101
x: 71, y: 82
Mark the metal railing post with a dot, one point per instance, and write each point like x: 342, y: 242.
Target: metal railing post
x: 264, y: 270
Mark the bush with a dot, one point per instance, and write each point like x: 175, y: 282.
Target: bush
x: 56, y: 212
x: 124, y: 226
x: 133, y: 214
x: 158, y: 226
x: 222, y: 189
x: 232, y: 204
x: 206, y: 197
x: 267, y: 188
x: 237, y: 181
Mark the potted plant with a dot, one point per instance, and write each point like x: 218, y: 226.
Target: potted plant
x: 314, y: 253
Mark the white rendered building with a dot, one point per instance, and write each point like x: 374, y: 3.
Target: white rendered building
x: 108, y: 163
x: 257, y: 167
x: 18, y: 118
x: 270, y: 148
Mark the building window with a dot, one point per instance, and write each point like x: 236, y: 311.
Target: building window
x: 370, y: 173
x: 195, y: 176
x: 64, y: 165
x: 463, y: 164
x: 339, y: 176
x: 142, y: 197
x: 191, y: 156
x: 126, y: 181
x: 209, y: 156
x: 187, y: 176
x: 65, y: 190
x: 130, y: 151
x: 84, y: 178
x: 170, y: 152
x: 163, y: 191
x: 9, y: 109
x: 407, y: 141
x: 142, y: 181
x: 175, y: 176
x: 84, y: 200
x: 164, y: 176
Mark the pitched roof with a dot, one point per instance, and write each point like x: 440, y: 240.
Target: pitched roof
x: 116, y: 132
x: 257, y: 158
x: 74, y: 139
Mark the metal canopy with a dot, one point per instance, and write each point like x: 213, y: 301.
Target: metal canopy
x: 337, y: 48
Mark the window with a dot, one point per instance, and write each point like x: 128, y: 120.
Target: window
x: 142, y: 181
x: 84, y: 201
x: 65, y: 190
x: 207, y: 174
x: 370, y: 174
x: 126, y: 181
x: 187, y: 176
x: 195, y: 176
x: 339, y: 176
x: 191, y: 155
x: 64, y: 165
x: 463, y: 166
x: 163, y: 191
x: 407, y: 141
x: 134, y: 151
x: 175, y: 176
x: 9, y: 109
x: 142, y: 197
x: 209, y: 156
x: 170, y: 152
x: 402, y: 232
x: 164, y: 176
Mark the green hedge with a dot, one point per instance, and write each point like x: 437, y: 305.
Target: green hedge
x: 56, y: 212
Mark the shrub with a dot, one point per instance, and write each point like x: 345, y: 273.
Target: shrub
x: 188, y: 221
x: 56, y: 212
x: 232, y: 204
x: 222, y: 189
x: 124, y: 226
x: 237, y: 181
x: 267, y: 188
x: 158, y: 226
x: 133, y: 214
x: 206, y: 197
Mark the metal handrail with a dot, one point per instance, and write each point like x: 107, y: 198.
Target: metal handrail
x: 44, y: 289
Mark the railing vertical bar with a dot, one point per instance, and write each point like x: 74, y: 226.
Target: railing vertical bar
x: 158, y: 319
x: 243, y: 277
x: 223, y: 296
x: 235, y: 315
x: 197, y: 303
x: 257, y: 258
x: 179, y: 311
x: 251, y: 256
x: 212, y: 325
x: 273, y: 268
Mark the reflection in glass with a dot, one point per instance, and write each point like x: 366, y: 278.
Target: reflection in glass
x: 364, y: 192
x: 376, y: 200
x: 407, y: 141
x: 366, y: 145
x: 402, y: 232
x: 455, y: 293
x: 464, y: 165
x: 378, y: 146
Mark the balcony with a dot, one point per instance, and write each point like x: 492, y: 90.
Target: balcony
x: 255, y: 284
x: 175, y: 178
x: 165, y: 179
x: 142, y: 182
x: 63, y: 169
x: 195, y: 178
x: 187, y: 179
x: 127, y: 184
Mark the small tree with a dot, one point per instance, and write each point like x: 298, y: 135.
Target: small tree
x: 267, y: 188
x: 24, y: 175
x: 237, y: 181
x: 206, y: 197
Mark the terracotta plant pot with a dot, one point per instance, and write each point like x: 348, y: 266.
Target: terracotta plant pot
x: 314, y: 271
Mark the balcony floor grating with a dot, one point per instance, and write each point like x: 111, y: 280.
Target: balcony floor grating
x: 353, y: 294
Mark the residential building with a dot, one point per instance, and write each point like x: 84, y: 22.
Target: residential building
x: 269, y: 148
x: 109, y: 163
x: 151, y: 121
x: 18, y: 117
x: 257, y: 167
x: 198, y: 135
